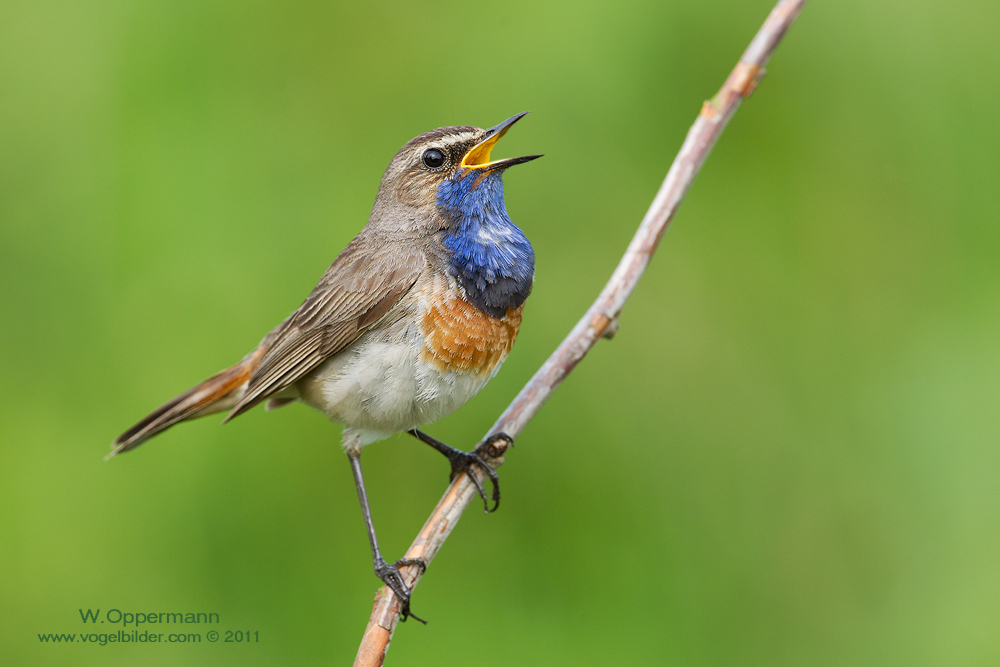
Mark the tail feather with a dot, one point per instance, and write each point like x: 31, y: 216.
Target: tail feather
x: 218, y: 393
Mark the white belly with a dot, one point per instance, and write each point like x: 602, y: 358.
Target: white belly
x: 381, y: 385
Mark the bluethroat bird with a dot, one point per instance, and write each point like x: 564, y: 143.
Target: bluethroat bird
x: 410, y: 321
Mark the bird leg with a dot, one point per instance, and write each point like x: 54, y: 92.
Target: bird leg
x: 463, y: 461
x: 387, y: 573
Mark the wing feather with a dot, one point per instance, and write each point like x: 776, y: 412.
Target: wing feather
x: 362, y: 286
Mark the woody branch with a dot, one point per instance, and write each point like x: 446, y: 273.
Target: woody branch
x: 599, y: 321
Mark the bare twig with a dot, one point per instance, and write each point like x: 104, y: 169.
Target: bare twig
x: 601, y: 319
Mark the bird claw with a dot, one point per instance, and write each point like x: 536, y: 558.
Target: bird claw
x: 492, y: 447
x: 406, y: 562
x: 392, y: 578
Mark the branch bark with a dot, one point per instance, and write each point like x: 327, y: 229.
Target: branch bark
x: 601, y: 320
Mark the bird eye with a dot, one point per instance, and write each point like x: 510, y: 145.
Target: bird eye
x: 433, y: 158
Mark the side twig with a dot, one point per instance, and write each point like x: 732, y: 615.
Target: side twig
x: 601, y: 320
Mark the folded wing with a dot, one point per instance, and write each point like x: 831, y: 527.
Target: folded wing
x: 361, y: 287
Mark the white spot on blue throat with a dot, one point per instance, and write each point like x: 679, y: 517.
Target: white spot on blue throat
x: 491, y: 257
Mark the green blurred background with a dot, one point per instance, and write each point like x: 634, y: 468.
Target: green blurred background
x: 787, y: 456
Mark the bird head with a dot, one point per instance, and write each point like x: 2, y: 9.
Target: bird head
x: 453, y: 161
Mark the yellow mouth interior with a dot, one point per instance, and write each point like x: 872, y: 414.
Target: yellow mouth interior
x: 479, y: 155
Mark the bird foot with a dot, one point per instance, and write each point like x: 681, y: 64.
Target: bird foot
x: 492, y: 447
x: 392, y: 578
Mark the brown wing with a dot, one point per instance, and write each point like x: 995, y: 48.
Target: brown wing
x: 360, y: 287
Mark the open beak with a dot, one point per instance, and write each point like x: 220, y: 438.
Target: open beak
x: 478, y: 156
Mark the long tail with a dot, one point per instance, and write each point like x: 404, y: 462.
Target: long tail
x: 218, y: 393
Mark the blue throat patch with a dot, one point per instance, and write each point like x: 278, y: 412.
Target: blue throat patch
x: 491, y: 257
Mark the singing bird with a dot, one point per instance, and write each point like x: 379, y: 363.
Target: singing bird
x: 410, y: 321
